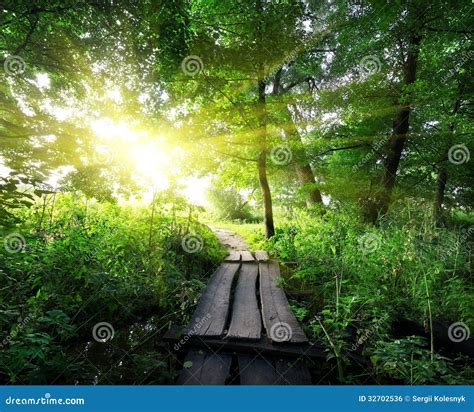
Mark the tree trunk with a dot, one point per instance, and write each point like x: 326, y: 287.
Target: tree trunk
x: 303, y: 169
x: 443, y: 170
x: 440, y: 189
x: 379, y: 204
x: 302, y: 166
x: 306, y: 178
x: 262, y: 162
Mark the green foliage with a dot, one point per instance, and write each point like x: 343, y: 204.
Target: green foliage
x: 90, y: 263
x: 358, y: 274
x: 270, y: 74
x: 229, y: 204
x: 374, y: 262
x: 11, y: 198
x: 408, y: 361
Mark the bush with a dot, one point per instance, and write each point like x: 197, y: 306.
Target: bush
x: 89, y: 264
x: 406, y: 268
x: 229, y: 204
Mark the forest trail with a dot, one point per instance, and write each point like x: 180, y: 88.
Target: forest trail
x: 243, y: 330
x: 230, y: 240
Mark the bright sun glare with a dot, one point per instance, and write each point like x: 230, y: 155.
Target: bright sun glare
x: 152, y: 164
x: 149, y: 156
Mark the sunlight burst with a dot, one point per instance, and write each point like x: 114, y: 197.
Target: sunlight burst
x: 152, y: 164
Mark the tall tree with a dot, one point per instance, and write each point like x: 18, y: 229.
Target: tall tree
x: 443, y: 167
x: 410, y: 38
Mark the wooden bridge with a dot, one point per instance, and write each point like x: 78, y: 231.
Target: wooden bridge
x: 243, y: 330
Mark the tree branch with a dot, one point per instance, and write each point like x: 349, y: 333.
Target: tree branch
x: 336, y: 149
x: 246, y: 159
x: 435, y: 29
x: 25, y: 42
x: 296, y: 83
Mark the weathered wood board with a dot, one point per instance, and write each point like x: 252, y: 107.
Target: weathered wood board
x: 233, y: 256
x: 246, y: 256
x: 263, y: 346
x: 205, y: 368
x: 261, y: 256
x: 275, y: 359
x: 246, y: 321
x: 256, y: 370
x: 291, y: 372
x: 279, y: 321
x: 210, y: 316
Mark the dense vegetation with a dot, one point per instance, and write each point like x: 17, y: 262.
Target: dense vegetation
x: 90, y: 263
x: 336, y: 135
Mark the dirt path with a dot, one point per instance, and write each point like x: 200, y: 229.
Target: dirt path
x: 230, y: 239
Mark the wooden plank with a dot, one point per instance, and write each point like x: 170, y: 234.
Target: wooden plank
x: 233, y: 256
x: 175, y: 335
x: 210, y: 316
x: 291, y: 372
x: 256, y: 371
x: 279, y: 321
x: 246, y: 256
x: 246, y: 321
x: 205, y: 368
x: 261, y: 255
